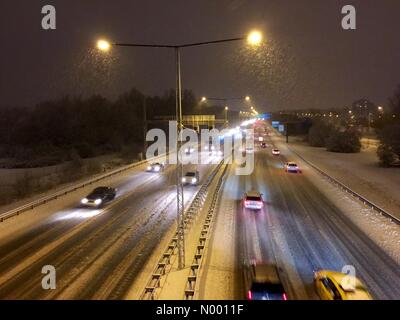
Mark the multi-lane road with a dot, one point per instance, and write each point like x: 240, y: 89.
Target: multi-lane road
x: 98, y: 253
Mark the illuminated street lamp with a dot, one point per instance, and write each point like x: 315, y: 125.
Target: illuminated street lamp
x: 103, y: 45
x: 254, y: 37
x: 226, y: 116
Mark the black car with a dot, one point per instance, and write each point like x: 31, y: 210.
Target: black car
x: 262, y: 282
x: 99, y: 196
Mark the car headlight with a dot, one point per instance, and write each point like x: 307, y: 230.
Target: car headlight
x: 149, y: 168
x: 212, y: 148
x: 183, y: 179
x: 157, y: 169
x: 186, y: 150
x: 98, y: 201
x: 205, y: 148
x: 84, y: 201
x: 194, y: 180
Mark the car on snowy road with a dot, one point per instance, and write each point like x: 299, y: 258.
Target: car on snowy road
x: 253, y: 200
x: 332, y: 285
x: 292, y: 167
x: 99, y: 197
x: 276, y: 152
x: 191, y: 178
x: 262, y: 282
x: 155, y: 167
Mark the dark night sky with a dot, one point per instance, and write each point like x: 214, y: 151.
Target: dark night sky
x: 310, y: 61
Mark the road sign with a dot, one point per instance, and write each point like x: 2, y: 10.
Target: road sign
x: 264, y: 116
x: 275, y: 124
x: 281, y: 128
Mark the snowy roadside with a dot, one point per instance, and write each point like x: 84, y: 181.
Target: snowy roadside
x: 385, y: 233
x: 360, y: 172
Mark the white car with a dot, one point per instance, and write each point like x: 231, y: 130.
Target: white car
x: 292, y: 167
x: 155, y: 167
x: 276, y: 152
x: 189, y: 150
x: 253, y: 200
x: 191, y: 178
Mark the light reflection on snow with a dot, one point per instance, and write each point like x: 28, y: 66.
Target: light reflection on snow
x: 79, y: 214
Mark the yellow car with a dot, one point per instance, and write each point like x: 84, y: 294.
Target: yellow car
x: 332, y: 285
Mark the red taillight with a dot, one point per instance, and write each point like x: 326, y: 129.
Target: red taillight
x: 284, y: 296
x: 246, y: 203
x: 249, y: 295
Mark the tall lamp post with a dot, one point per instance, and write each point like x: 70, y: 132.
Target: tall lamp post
x: 254, y: 38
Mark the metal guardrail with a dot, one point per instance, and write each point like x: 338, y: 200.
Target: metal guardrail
x: 46, y: 199
x: 348, y: 190
x: 203, y: 238
x: 196, y: 205
x: 200, y: 250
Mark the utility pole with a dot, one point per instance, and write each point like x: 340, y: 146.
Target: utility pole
x: 226, y: 116
x: 144, y: 126
x: 287, y: 132
x: 179, y: 168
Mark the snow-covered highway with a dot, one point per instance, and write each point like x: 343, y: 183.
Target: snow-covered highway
x: 97, y: 253
x: 306, y: 224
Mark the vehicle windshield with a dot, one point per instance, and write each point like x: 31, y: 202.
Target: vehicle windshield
x: 253, y: 198
x: 267, y: 291
x: 190, y: 174
x: 292, y: 165
x: 98, y: 192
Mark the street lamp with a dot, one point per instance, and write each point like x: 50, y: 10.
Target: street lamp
x: 254, y: 39
x: 103, y: 45
x: 226, y: 116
